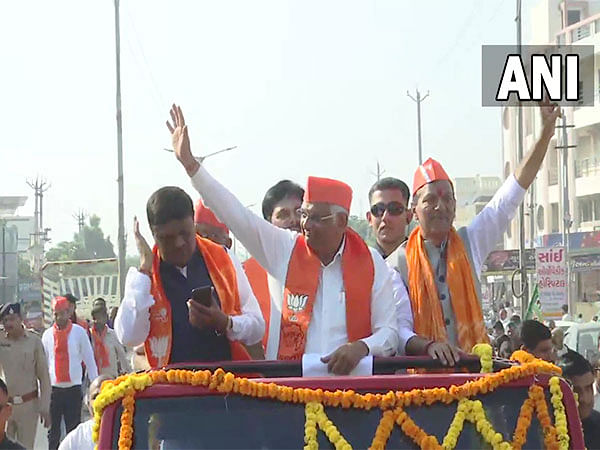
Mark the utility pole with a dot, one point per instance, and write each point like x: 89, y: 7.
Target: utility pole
x: 121, y: 231
x: 418, y: 101
x: 40, y: 235
x: 379, y: 172
x: 566, y: 210
x: 524, y: 293
x: 80, y: 218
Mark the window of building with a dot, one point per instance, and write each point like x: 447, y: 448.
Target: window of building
x: 540, y: 217
x: 585, y: 210
x: 555, y: 225
x: 573, y: 16
x: 597, y: 209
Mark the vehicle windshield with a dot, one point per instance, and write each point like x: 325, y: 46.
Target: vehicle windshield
x: 215, y: 421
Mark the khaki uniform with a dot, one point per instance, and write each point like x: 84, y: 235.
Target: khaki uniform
x: 24, y: 364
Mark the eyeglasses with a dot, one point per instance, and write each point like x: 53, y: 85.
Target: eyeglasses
x: 314, y: 218
x: 393, y: 208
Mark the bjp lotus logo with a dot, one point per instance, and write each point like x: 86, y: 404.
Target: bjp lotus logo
x: 296, y: 302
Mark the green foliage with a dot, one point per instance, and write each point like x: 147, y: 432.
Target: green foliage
x: 88, y: 243
x: 362, y: 227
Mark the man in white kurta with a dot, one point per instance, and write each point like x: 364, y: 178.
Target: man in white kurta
x: 272, y: 247
x: 65, y: 358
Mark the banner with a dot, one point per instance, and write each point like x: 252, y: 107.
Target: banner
x: 585, y: 263
x: 551, y: 270
x: 507, y: 261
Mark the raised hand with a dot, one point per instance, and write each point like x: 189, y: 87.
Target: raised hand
x: 181, y: 140
x: 550, y: 112
x: 143, y: 248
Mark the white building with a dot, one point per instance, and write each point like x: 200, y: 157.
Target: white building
x: 472, y: 194
x: 579, y: 24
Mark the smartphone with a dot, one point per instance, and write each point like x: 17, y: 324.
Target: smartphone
x: 203, y: 295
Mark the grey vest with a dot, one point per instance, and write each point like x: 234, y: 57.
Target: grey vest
x: 437, y: 257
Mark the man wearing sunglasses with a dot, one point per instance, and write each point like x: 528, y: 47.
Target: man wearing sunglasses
x: 389, y: 214
x: 441, y: 266
x: 333, y: 295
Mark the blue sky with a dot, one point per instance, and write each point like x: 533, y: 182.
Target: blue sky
x: 302, y: 87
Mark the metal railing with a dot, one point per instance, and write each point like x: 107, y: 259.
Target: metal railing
x: 579, y: 30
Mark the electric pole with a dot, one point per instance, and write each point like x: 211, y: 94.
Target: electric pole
x: 418, y: 101
x: 566, y: 210
x: 379, y: 172
x: 80, y: 218
x: 40, y: 235
x: 524, y: 293
x: 121, y: 231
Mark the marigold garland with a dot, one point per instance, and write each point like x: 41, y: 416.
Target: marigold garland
x: 560, y: 416
x: 219, y: 380
x: 485, y: 353
x: 315, y: 415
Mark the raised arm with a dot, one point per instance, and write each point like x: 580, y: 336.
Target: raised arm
x: 486, y: 230
x: 132, y: 323
x: 271, y: 246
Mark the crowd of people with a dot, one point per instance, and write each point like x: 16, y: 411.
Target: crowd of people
x: 45, y: 377
x: 312, y: 285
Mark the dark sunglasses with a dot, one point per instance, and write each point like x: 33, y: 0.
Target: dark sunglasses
x: 393, y: 208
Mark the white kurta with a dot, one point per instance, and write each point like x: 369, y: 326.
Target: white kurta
x: 132, y: 323
x: 80, y: 350
x: 272, y: 247
x: 80, y: 438
x: 485, y: 231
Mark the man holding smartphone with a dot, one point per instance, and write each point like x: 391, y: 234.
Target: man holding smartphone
x: 158, y: 308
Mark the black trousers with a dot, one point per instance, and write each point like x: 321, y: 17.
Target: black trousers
x: 64, y: 403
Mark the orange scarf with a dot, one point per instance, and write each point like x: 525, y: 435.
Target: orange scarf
x: 424, y: 297
x: 222, y: 273
x: 301, y: 286
x: 257, y: 277
x: 100, y: 348
x: 62, y: 370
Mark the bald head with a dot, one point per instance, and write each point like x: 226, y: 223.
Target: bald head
x: 94, y: 390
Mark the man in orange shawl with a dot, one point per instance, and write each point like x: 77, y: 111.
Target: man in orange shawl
x: 334, y: 295
x: 440, y: 265
x: 157, y: 309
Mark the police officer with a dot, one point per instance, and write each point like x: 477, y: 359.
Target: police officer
x: 24, y: 364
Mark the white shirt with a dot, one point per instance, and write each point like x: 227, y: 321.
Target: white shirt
x: 80, y: 438
x: 272, y: 247
x: 484, y: 232
x: 132, y: 323
x: 80, y: 350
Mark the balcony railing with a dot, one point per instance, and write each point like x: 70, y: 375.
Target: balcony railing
x: 579, y: 30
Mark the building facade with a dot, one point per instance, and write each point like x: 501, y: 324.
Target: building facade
x: 564, y: 22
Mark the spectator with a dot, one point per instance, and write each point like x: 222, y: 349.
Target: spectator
x: 537, y: 340
x: 5, y: 412
x: 81, y: 437
x: 579, y: 372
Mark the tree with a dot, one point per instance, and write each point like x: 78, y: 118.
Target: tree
x: 88, y: 243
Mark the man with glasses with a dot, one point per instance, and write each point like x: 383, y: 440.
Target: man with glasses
x: 5, y: 413
x: 334, y: 295
x: 389, y: 214
x: 441, y: 266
